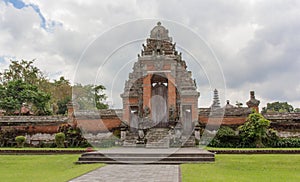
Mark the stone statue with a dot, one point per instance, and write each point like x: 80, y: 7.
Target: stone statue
x: 172, y: 113
x: 146, y: 111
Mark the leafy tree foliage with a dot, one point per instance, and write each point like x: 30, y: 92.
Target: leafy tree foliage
x: 17, y: 92
x: 297, y: 110
x: 254, y: 130
x: 277, y: 107
x: 21, y: 84
x: 100, y: 97
x: 89, y: 97
x: 23, y: 70
x: 225, y: 137
x: 24, y: 83
x: 61, y: 92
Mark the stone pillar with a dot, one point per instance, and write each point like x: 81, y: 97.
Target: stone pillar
x: 70, y: 107
x: 71, y: 115
x: 253, y: 102
x: 171, y: 92
x: 147, y: 91
x: 126, y: 110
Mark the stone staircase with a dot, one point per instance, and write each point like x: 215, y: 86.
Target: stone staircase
x: 130, y: 140
x: 188, y: 141
x: 147, y: 156
x: 158, y: 138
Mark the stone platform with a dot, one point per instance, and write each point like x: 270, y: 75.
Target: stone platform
x: 147, y: 156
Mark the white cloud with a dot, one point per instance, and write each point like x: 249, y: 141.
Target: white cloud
x: 257, y: 42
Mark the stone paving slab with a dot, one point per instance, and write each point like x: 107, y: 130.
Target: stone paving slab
x: 133, y: 173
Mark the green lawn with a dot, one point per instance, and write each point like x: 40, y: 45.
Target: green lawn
x: 41, y: 168
x: 261, y: 167
x: 33, y: 148
x: 37, y: 148
x: 214, y: 148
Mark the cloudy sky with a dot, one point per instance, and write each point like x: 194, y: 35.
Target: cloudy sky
x: 256, y: 43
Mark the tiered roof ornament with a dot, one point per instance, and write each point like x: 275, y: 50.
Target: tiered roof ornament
x: 216, y: 100
x: 159, y: 32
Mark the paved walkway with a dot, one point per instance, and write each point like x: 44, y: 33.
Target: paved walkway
x: 134, y: 173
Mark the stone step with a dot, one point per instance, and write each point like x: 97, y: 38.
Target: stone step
x: 127, y: 144
x: 158, y: 138
x: 113, y: 155
x: 165, y: 143
x: 190, y: 142
x: 150, y: 156
x: 147, y: 162
x: 130, y: 140
x: 144, y: 159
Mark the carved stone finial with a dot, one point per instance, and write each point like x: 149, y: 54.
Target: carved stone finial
x: 253, y: 102
x: 159, y: 32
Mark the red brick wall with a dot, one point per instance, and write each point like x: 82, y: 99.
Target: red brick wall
x: 32, y: 129
x: 98, y: 125
x: 225, y: 120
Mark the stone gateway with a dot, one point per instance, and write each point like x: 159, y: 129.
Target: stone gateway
x: 160, y: 91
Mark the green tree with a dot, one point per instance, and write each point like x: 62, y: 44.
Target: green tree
x: 62, y: 105
x: 15, y: 93
x: 61, y: 92
x: 23, y: 70
x: 254, y: 130
x: 23, y: 83
x: 277, y: 107
x: 89, y: 97
x: 100, y: 97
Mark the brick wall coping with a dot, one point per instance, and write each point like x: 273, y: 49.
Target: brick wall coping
x: 32, y: 119
x: 237, y: 111
x: 282, y: 116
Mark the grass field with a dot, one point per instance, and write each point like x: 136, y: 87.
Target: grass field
x: 262, y: 167
x: 41, y: 168
x: 37, y: 148
x: 213, y: 148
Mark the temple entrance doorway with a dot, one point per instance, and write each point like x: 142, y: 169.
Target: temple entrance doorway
x: 134, y: 121
x: 159, y: 100
x: 187, y: 119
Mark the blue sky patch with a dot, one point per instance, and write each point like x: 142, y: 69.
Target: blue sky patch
x: 18, y: 4
x: 2, y: 59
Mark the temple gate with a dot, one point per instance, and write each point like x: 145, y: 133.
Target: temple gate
x: 160, y: 88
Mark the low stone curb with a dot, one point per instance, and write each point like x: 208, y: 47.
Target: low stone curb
x: 255, y: 151
x: 40, y: 152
